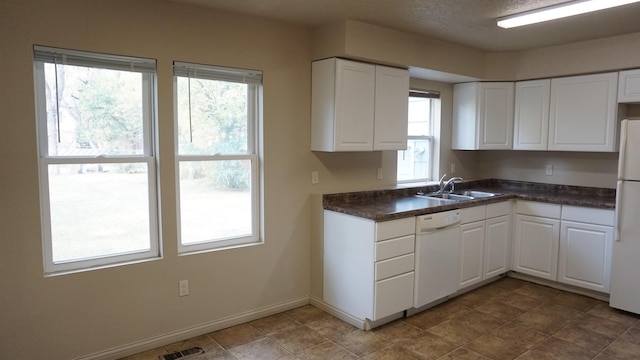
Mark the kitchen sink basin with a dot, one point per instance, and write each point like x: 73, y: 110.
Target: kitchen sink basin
x: 447, y: 196
x: 475, y: 194
x: 460, y: 195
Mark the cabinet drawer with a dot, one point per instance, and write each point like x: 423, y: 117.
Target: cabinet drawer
x: 588, y: 215
x: 394, y: 266
x: 393, y: 295
x: 498, y: 209
x: 534, y: 208
x: 472, y: 214
x: 395, y: 228
x: 395, y: 247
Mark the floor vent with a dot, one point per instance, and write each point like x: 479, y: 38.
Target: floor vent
x: 182, y: 354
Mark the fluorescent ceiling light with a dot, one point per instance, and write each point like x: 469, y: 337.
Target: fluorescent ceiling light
x: 559, y: 11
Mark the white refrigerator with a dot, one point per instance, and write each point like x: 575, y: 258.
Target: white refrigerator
x: 625, y: 267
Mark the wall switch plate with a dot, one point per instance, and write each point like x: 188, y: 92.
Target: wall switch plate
x: 549, y: 169
x: 184, y: 287
x: 314, y: 177
x: 453, y: 168
x: 379, y: 174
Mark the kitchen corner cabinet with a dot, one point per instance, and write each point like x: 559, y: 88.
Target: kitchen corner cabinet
x: 358, y: 106
x: 629, y: 86
x: 483, y: 116
x: 368, y: 265
x: 536, y: 240
x: 531, y: 115
x: 582, y: 113
x: 485, y: 238
x: 586, y: 240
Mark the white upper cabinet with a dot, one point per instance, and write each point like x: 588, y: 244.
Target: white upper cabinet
x: 531, y: 118
x: 358, y: 106
x: 583, y: 113
x: 483, y: 116
x: 391, y: 108
x: 629, y: 86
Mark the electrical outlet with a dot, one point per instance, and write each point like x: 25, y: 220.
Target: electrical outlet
x: 453, y: 168
x: 549, y: 169
x: 314, y: 177
x: 379, y: 174
x: 184, y: 287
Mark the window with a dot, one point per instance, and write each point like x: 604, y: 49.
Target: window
x: 95, y: 120
x: 416, y: 163
x: 217, y: 112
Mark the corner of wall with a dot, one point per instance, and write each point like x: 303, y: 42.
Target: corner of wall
x: 328, y: 40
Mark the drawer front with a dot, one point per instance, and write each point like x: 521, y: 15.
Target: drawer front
x: 472, y: 214
x: 535, y: 208
x: 498, y: 209
x: 393, y: 295
x: 588, y: 215
x: 394, y: 266
x: 395, y: 228
x: 395, y: 247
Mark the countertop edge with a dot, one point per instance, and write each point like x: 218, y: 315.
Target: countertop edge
x: 557, y: 194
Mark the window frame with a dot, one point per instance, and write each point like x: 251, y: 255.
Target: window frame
x: 147, y: 67
x: 253, y: 78
x: 433, y: 108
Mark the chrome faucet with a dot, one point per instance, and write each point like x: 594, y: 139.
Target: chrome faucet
x: 451, y: 182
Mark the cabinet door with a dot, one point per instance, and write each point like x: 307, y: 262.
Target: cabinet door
x: 465, y: 119
x: 497, y: 246
x: 531, y: 119
x: 471, y: 253
x: 583, y: 113
x: 536, y: 246
x: 391, y: 108
x: 355, y: 86
x: 482, y: 116
x: 393, y: 295
x: 629, y: 86
x: 496, y: 115
x: 585, y: 255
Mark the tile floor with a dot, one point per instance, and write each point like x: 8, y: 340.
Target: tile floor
x: 507, y: 319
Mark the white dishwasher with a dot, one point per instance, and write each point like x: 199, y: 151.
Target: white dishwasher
x: 436, y: 267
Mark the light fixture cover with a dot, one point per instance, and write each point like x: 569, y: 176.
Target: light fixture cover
x: 559, y: 11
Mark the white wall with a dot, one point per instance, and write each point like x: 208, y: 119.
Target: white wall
x: 569, y: 168
x: 68, y: 316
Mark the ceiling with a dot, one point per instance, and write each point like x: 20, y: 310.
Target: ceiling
x: 466, y: 22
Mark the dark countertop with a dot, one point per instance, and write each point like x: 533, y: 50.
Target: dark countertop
x: 383, y: 205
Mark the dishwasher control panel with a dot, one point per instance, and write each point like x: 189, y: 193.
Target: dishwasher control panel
x: 430, y: 222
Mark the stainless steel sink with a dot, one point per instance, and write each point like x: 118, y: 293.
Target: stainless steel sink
x: 475, y: 194
x: 460, y: 195
x: 446, y: 196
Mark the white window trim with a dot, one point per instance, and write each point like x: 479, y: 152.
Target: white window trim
x: 251, y: 77
x: 44, y: 55
x: 435, y: 117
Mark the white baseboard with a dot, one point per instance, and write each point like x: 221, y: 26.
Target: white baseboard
x: 348, y: 318
x: 197, y: 330
x: 560, y: 286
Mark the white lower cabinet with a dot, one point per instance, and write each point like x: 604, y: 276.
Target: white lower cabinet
x: 389, y: 297
x: 568, y: 244
x: 368, y: 265
x: 497, y: 248
x: 586, y: 240
x: 537, y: 235
x: 485, y: 238
x: 471, y: 253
